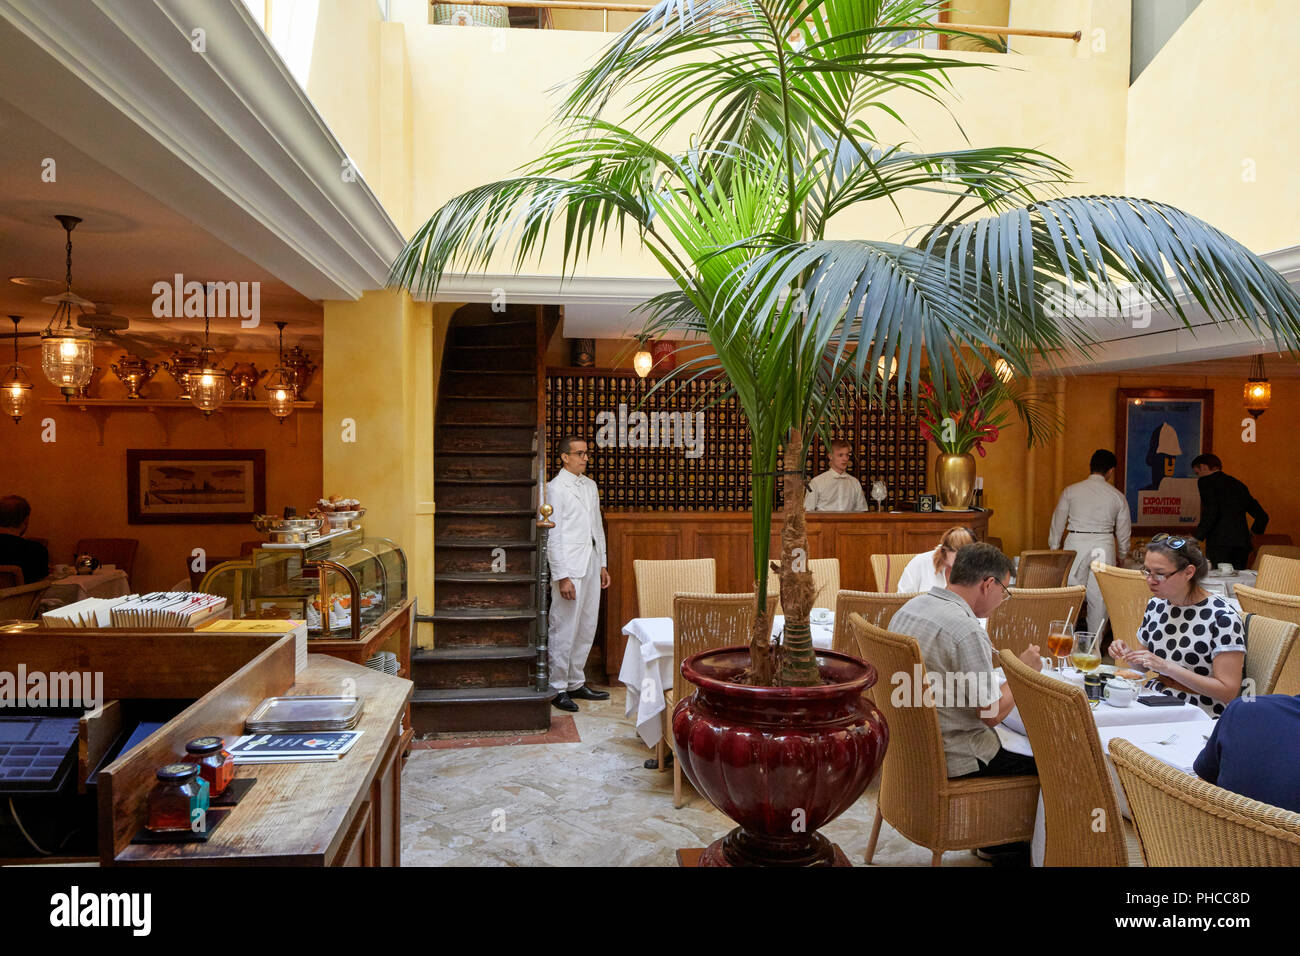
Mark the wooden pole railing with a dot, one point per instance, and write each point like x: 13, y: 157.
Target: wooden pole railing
x: 611, y: 7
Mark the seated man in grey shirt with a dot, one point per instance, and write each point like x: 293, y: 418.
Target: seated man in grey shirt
x: 958, y: 661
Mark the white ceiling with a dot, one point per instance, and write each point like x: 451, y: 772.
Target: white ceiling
x: 127, y: 241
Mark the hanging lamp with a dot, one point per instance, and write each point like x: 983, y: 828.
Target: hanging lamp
x: 15, y: 385
x: 1258, y: 392
x: 280, y: 393
x: 67, y: 356
x: 209, y: 384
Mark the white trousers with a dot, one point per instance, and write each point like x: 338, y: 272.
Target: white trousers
x: 1090, y: 548
x: 573, y: 628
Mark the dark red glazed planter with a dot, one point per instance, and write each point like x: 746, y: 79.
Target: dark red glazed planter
x: 780, y: 761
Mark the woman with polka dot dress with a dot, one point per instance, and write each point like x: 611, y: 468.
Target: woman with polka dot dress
x: 1191, y: 638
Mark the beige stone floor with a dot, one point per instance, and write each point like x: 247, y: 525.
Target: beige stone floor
x: 583, y: 804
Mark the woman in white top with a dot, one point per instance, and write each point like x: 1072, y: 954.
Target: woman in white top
x: 929, y: 569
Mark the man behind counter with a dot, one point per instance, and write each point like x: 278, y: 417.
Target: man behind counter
x: 835, y: 489
x: 14, y: 548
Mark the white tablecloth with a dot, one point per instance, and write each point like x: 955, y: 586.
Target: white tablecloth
x: 648, y: 667
x: 1183, y: 729
x: 78, y: 587
x: 1223, y: 584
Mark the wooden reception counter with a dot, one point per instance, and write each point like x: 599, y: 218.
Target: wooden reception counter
x: 726, y: 536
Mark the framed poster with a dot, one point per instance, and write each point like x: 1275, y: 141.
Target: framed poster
x: 1158, y: 432
x: 194, y: 486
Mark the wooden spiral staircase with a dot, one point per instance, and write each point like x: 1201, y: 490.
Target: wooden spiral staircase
x: 482, y: 674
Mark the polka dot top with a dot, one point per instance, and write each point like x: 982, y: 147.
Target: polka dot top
x: 1192, y: 636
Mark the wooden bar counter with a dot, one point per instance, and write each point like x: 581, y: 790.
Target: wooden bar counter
x: 726, y: 536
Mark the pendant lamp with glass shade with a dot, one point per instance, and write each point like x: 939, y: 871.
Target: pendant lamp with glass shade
x: 280, y: 393
x: 209, y: 384
x: 15, y: 386
x: 1258, y: 392
x: 67, y: 355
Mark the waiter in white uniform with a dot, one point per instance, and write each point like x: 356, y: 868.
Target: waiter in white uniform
x: 1098, y: 516
x: 835, y: 489
x: 576, y: 554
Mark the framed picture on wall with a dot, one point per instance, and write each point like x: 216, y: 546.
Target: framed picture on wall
x: 1158, y: 432
x: 194, y: 486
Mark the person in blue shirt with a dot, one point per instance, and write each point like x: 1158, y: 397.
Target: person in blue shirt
x: 1254, y: 750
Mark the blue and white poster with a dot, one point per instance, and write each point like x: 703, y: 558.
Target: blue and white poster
x: 1161, y: 436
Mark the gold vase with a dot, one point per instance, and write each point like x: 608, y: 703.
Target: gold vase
x: 954, y: 480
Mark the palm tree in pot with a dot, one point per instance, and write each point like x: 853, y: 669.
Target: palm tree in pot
x: 745, y: 127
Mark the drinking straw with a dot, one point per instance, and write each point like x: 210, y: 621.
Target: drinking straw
x: 1069, y: 618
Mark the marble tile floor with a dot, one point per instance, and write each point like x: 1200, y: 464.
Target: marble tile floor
x: 589, y: 803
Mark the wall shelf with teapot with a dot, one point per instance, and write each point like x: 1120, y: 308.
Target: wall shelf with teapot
x: 168, y: 412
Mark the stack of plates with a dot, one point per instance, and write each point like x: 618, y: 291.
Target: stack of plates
x: 385, y: 662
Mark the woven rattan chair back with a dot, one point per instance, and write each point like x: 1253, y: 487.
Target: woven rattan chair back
x: 702, y: 622
x: 1278, y: 607
x: 1126, y: 596
x: 888, y: 568
x: 19, y: 603
x: 1071, y: 769
x: 1023, y: 620
x: 1287, y: 550
x: 1269, y: 643
x: 1279, y: 575
x: 1044, y: 569
x: 658, y: 581
x: 875, y: 607
x: 1184, y: 821
x: 826, y: 579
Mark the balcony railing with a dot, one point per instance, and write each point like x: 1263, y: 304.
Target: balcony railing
x: 537, y: 15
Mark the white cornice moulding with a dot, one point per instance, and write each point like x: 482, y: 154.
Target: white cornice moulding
x: 225, y: 137
x: 550, y: 289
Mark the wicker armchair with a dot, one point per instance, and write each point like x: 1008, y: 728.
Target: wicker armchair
x: 916, y: 795
x: 19, y: 603
x: 875, y: 608
x: 702, y: 622
x: 11, y: 576
x: 826, y: 579
x: 1044, y: 569
x: 658, y: 581
x: 1269, y: 645
x: 1184, y: 821
x: 1024, y: 620
x: 1072, y: 772
x: 1266, y: 544
x: 1126, y: 595
x: 888, y: 568
x: 1279, y: 575
x: 1278, y: 607
x: 116, y: 551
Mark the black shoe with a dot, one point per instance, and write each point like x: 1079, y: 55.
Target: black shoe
x: 586, y: 693
x: 564, y: 702
x: 652, y: 763
x: 1005, y: 854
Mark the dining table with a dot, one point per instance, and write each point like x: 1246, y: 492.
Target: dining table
x: 648, y: 666
x: 1173, y: 735
x: 102, y: 583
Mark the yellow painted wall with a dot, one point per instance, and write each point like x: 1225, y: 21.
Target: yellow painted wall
x: 1210, y: 122
x: 344, y: 81
x: 380, y: 350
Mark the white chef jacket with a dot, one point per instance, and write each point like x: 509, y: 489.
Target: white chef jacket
x: 569, y: 545
x: 835, y: 492
x: 1092, y: 506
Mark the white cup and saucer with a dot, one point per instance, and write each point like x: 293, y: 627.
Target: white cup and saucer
x: 1226, y: 569
x: 1119, y: 692
x: 820, y: 615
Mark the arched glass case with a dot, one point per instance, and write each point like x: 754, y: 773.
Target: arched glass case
x: 340, y: 585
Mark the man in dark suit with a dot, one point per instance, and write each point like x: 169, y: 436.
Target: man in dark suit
x: 14, y: 548
x: 1225, y: 503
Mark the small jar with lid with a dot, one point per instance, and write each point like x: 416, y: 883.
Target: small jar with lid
x: 216, y: 766
x: 177, y: 794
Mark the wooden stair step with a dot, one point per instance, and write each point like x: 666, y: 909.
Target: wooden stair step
x: 479, y: 453
x: 482, y: 543
x: 484, y: 481
x: 465, y: 710
x: 484, y: 614
x: 483, y: 577
x: 487, y: 512
x: 485, y: 652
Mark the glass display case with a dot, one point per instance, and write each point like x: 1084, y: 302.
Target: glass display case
x: 341, y: 584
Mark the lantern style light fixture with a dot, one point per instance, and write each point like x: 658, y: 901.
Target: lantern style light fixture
x: 67, y: 355
x: 1003, y: 370
x: 280, y: 393
x: 893, y: 368
x: 643, y: 361
x: 209, y: 384
x: 1258, y: 391
x: 15, y: 386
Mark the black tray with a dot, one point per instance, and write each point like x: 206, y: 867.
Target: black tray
x: 214, y: 818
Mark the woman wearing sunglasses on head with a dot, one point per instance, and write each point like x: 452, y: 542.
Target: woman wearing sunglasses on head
x: 1191, y: 638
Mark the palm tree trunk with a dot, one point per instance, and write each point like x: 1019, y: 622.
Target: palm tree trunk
x: 798, y: 660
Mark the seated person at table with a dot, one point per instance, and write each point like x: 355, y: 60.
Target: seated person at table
x: 835, y: 489
x: 14, y: 548
x: 1191, y: 638
x: 956, y: 650
x: 1252, y: 750
x: 930, y: 569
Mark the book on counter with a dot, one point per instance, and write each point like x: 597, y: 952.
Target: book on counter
x: 325, y: 745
